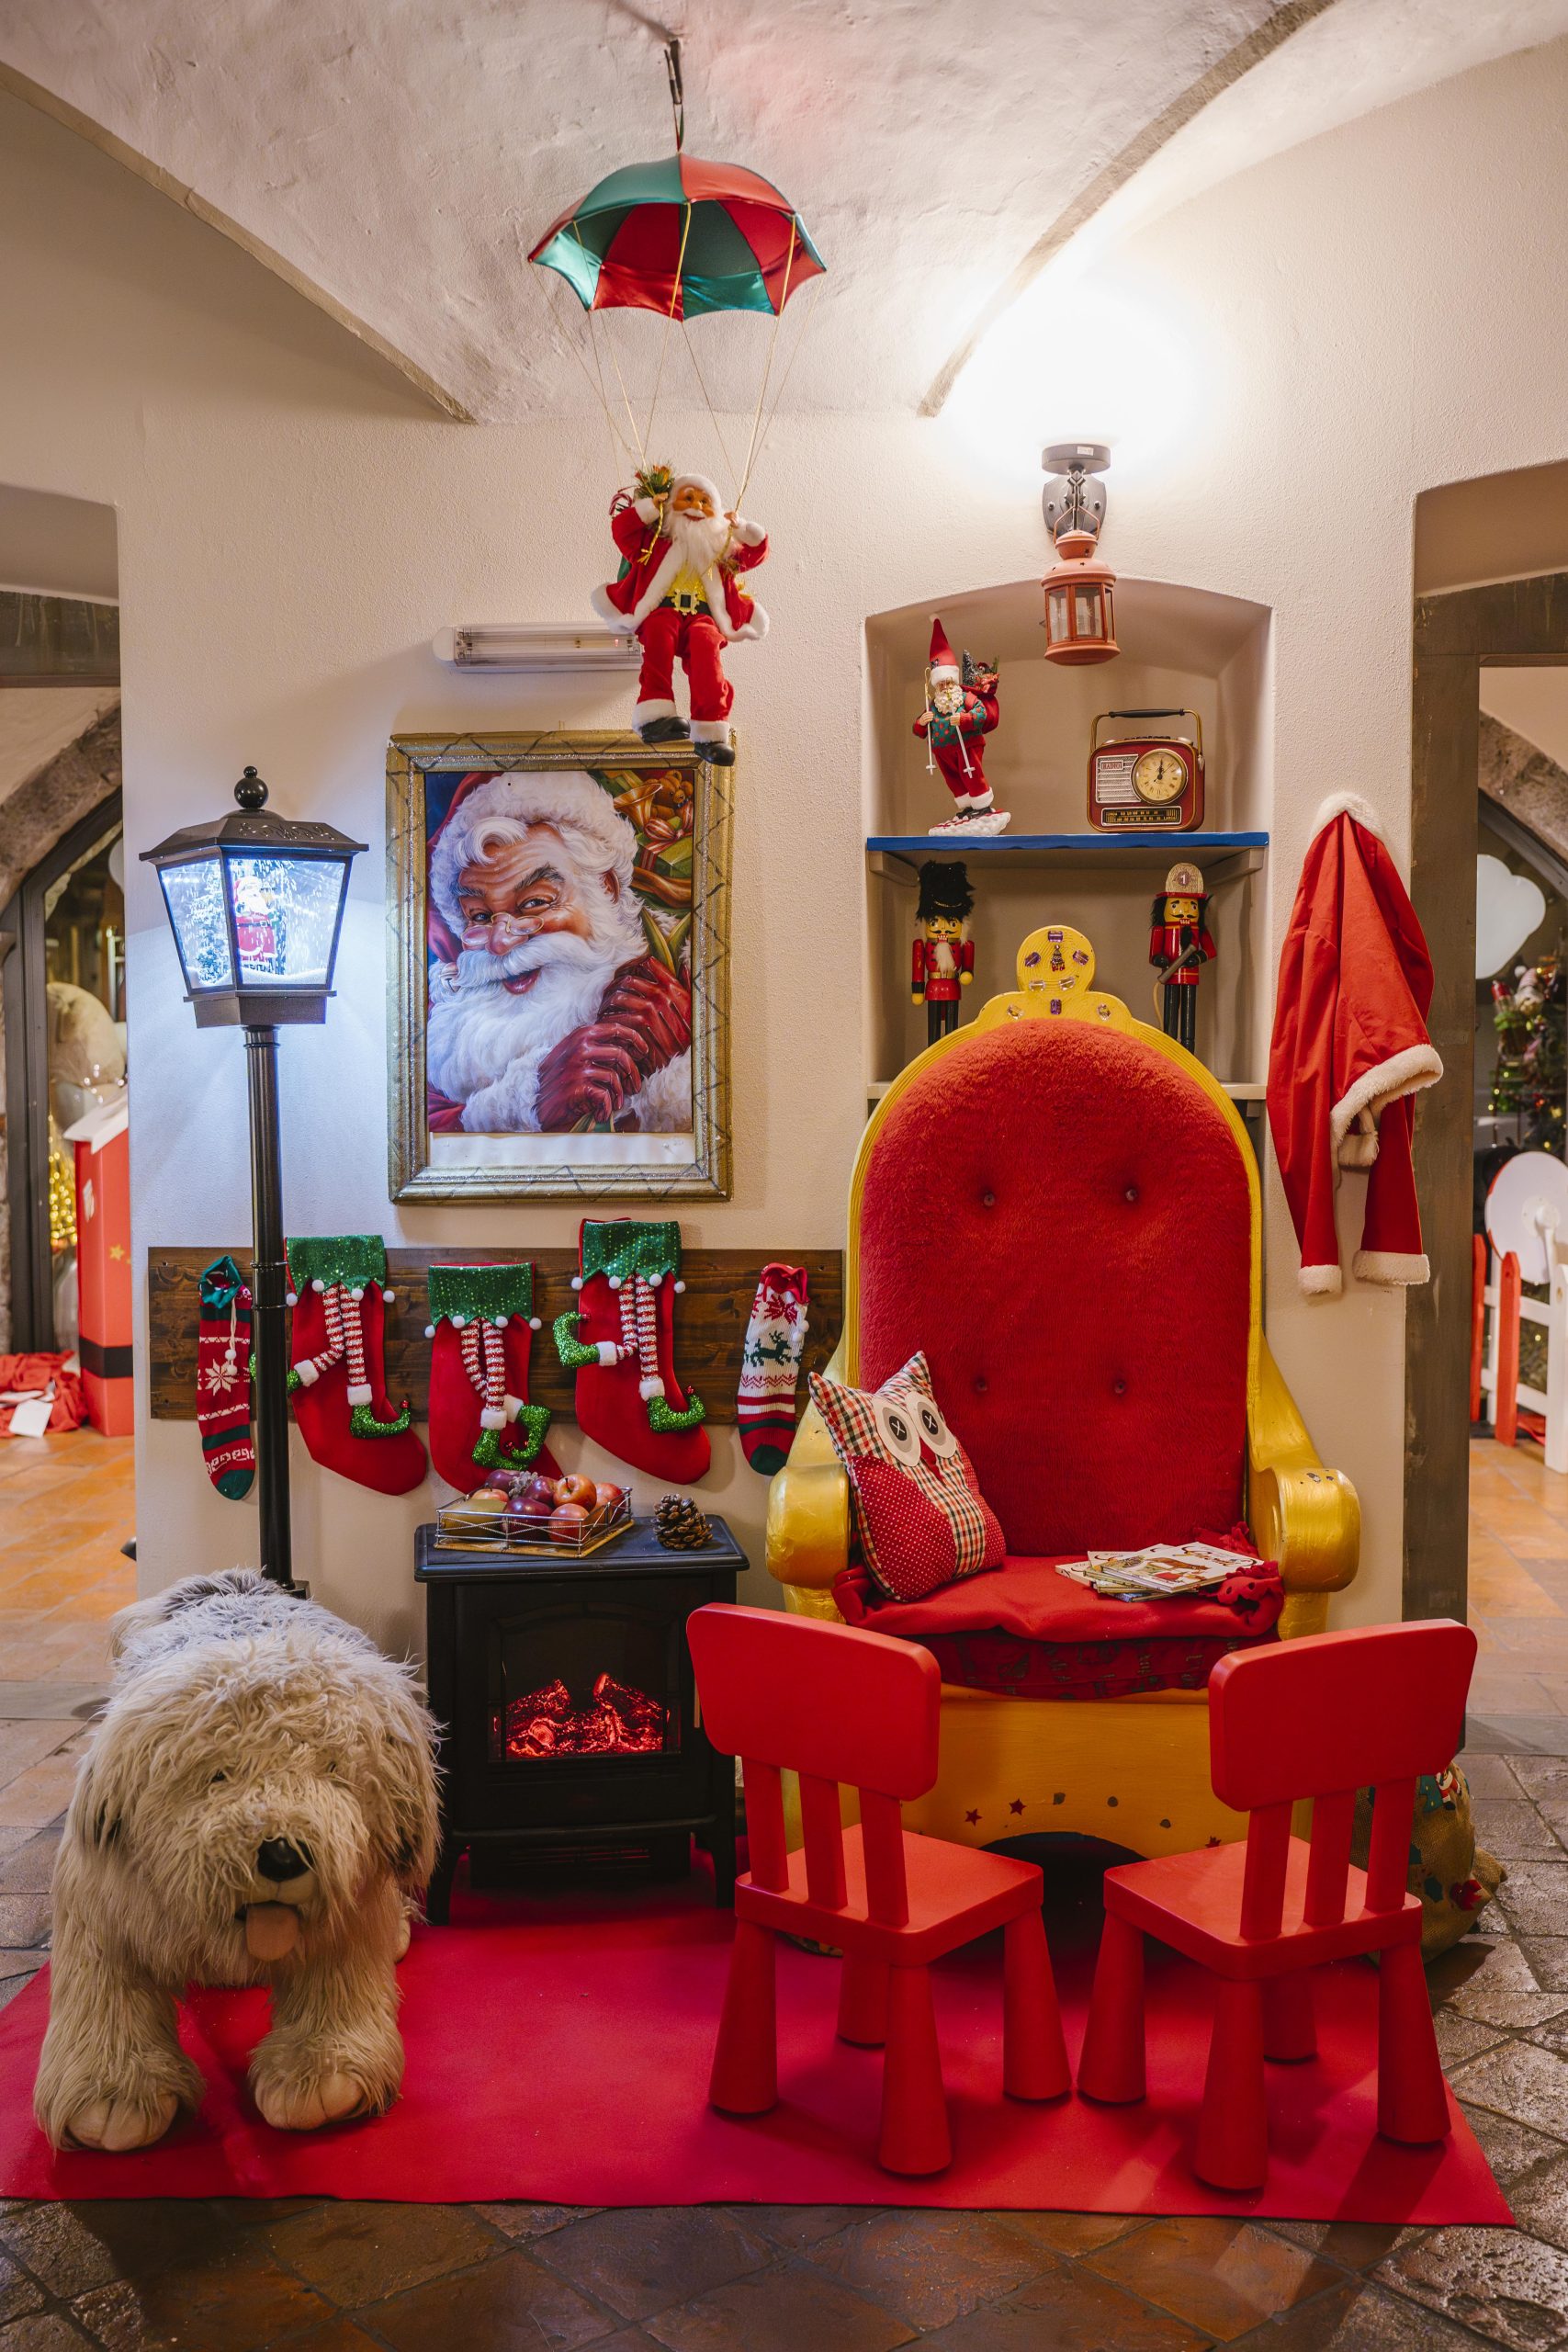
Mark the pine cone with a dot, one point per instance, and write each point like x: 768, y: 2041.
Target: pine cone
x: 679, y: 1525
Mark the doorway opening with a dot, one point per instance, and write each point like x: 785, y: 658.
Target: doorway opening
x: 1486, y: 1523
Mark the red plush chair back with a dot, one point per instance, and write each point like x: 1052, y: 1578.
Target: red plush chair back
x: 1061, y: 1217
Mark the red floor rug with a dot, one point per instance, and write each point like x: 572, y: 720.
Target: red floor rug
x: 558, y: 2049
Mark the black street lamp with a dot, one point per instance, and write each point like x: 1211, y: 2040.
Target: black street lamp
x: 255, y: 904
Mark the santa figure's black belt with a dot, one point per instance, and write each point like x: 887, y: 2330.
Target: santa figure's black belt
x: 682, y: 604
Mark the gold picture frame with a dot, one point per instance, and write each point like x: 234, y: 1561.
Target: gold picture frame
x: 679, y: 812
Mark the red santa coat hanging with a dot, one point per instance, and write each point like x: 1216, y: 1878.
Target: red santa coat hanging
x: 1349, y: 1051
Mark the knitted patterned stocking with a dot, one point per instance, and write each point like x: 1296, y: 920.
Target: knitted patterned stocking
x: 223, y: 1379
x: 620, y: 1343
x: 338, y: 1294
x: 482, y: 1323
x: 770, y: 1365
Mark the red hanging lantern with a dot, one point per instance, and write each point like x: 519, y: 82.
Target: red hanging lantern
x: 1080, y: 613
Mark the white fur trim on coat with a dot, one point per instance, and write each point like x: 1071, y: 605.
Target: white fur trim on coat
x: 1322, y: 1281
x: 1349, y: 804
x: 1391, y: 1269
x: 1406, y: 1072
x: 653, y: 595
x: 610, y: 614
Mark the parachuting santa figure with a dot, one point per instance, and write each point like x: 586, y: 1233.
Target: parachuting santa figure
x: 678, y: 594
x: 961, y: 710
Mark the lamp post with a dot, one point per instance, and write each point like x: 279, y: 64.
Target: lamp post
x: 255, y: 904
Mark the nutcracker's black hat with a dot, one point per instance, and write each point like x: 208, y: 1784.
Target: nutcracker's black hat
x: 945, y: 890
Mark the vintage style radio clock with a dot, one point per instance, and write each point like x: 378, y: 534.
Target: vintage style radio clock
x: 1145, y: 782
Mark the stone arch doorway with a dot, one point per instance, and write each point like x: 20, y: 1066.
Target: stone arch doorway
x: 62, y: 935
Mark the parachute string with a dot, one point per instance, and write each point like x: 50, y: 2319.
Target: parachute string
x: 625, y: 402
x: 619, y: 445
x: 669, y: 320
x: 625, y: 396
x: 773, y: 346
x: 707, y: 403
x: 810, y: 293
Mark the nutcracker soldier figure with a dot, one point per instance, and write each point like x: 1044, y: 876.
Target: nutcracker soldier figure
x: 944, y: 954
x: 961, y: 710
x: 680, y: 595
x: 1179, y: 947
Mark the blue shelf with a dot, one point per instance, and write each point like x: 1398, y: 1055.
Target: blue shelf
x: 1089, y: 849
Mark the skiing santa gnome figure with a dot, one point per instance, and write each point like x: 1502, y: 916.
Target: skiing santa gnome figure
x: 961, y: 708
x: 679, y: 593
x: 1350, y: 1051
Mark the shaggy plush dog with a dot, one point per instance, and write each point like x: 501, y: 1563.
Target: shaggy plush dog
x: 258, y: 1807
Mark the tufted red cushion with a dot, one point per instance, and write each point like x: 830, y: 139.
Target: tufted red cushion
x: 1061, y: 1220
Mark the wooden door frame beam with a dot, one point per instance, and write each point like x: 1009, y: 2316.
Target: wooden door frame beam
x: 1511, y: 623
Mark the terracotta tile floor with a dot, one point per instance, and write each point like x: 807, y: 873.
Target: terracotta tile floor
x: 317, y: 2276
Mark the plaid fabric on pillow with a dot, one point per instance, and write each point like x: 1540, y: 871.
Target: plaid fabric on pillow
x: 920, y: 1514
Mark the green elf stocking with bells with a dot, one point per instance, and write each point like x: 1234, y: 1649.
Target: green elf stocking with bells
x: 620, y: 1343
x: 481, y: 1325
x: 338, y: 1293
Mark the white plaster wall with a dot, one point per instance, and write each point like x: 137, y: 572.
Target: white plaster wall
x: 1366, y: 316
x: 1534, y: 703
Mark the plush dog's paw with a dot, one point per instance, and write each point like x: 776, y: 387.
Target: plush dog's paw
x: 403, y: 1938
x: 306, y: 2106
x: 115, y: 2125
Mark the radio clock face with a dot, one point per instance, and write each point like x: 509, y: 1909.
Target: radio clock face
x: 1159, y: 775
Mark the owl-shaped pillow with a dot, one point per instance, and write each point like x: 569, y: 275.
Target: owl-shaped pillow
x: 920, y: 1516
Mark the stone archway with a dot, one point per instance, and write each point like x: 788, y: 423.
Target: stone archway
x: 35, y: 817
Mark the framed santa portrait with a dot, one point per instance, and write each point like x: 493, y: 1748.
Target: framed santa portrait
x: 560, y: 1006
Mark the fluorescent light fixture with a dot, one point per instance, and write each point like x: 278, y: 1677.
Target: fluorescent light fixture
x: 535, y: 645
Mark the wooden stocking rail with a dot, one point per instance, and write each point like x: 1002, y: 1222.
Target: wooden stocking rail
x: 710, y: 1321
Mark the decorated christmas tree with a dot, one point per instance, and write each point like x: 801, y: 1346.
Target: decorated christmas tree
x: 1531, y: 1017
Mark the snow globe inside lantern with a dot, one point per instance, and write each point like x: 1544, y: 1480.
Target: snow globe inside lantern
x: 255, y: 904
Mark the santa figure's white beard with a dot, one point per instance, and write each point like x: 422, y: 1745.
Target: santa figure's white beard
x: 698, y: 540
x: 485, y: 1045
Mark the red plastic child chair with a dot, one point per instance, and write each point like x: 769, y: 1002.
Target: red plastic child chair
x: 837, y: 1704
x: 1320, y: 1718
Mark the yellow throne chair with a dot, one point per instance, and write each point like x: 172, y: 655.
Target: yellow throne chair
x: 1060, y: 1205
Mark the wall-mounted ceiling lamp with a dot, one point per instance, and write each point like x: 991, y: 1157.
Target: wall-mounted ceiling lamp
x: 535, y: 646
x: 1080, y: 618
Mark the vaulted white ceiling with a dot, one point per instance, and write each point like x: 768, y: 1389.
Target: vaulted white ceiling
x: 396, y: 159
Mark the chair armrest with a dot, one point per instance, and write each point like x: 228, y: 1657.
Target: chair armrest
x: 1302, y: 1515
x: 809, y: 1510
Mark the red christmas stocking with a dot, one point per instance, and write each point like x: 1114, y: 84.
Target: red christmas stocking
x: 338, y: 1384
x: 621, y: 1344
x: 223, y: 1379
x: 482, y: 1322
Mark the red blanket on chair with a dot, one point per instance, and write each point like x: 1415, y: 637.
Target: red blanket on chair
x: 1027, y: 1631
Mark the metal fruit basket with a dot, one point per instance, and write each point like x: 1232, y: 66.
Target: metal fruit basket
x: 461, y: 1528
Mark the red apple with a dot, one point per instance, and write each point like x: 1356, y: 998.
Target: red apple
x: 608, y: 1498
x: 566, y: 1522
x: 537, y: 1496
x: 574, y: 1488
